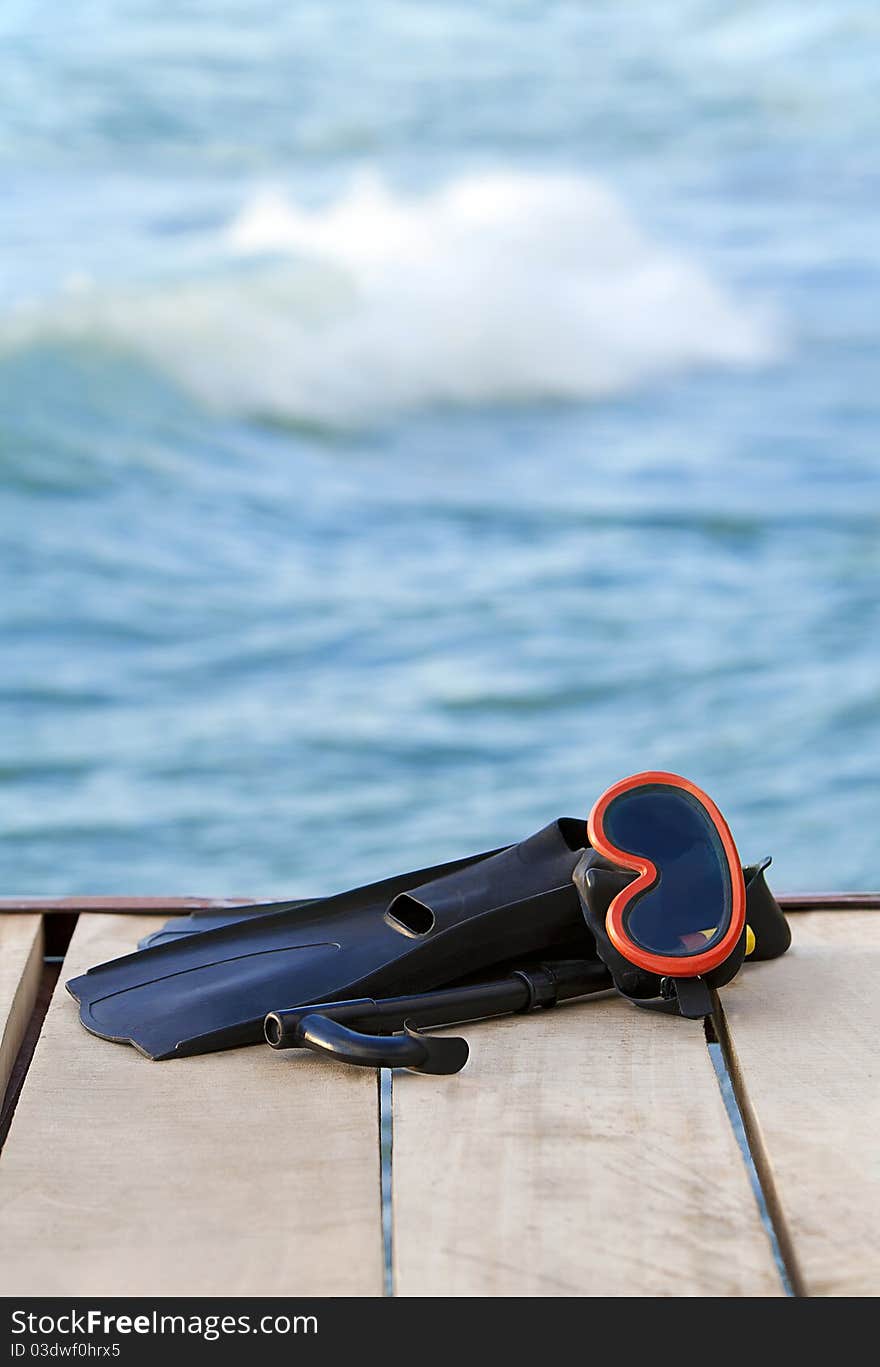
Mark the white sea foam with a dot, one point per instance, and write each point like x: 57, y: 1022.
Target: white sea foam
x: 503, y: 287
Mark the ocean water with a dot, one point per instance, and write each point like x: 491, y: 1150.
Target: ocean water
x: 415, y: 417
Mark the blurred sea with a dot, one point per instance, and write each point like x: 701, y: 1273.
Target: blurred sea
x: 415, y: 417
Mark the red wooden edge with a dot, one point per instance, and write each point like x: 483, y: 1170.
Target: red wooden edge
x: 830, y: 901
x: 135, y: 905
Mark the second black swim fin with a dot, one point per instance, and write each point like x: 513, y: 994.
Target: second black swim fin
x: 210, y: 918
x: 407, y: 934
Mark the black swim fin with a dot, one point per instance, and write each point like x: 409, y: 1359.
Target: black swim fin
x: 406, y: 934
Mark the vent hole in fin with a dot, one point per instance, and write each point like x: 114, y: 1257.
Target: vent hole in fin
x: 409, y: 915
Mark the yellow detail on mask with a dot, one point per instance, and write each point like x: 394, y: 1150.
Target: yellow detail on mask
x: 750, y: 938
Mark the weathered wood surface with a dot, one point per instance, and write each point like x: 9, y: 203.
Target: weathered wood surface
x: 805, y: 1032
x: 21, y: 962
x: 584, y: 1151
x: 242, y: 1173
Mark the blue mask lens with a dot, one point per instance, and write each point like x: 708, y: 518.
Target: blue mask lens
x: 689, y: 907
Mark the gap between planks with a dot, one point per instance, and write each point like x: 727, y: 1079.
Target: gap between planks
x: 21, y: 967
x: 755, y: 1151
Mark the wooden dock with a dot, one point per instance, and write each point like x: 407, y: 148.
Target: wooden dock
x: 586, y: 1150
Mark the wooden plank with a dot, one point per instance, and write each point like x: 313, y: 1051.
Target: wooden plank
x: 21, y: 962
x: 582, y: 1151
x: 241, y: 1173
x: 804, y: 1032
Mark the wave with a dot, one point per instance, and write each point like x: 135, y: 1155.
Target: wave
x: 497, y: 288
